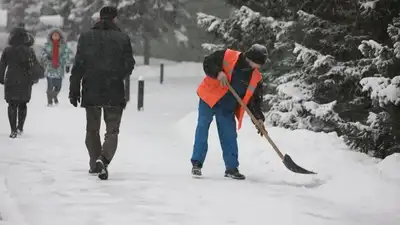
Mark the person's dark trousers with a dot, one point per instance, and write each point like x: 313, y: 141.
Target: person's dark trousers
x: 17, y: 112
x: 53, y: 88
x: 226, y: 125
x: 112, y: 119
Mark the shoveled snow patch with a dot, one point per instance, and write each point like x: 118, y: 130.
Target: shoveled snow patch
x: 347, y: 189
x: 390, y: 167
x: 9, y: 211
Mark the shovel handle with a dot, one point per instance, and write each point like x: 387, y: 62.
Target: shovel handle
x: 255, y: 121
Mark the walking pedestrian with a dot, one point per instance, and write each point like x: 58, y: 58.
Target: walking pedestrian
x: 103, y: 60
x: 56, y: 57
x: 17, y: 76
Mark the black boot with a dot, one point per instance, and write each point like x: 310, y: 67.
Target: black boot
x: 12, y: 118
x: 234, y: 174
x: 22, y: 111
x: 55, y: 97
x: 93, y: 167
x: 49, y: 98
x: 196, y: 169
x: 101, y: 167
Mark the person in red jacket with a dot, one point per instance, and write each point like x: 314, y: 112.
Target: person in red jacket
x: 241, y: 70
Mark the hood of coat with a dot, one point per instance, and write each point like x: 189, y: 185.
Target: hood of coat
x: 54, y: 30
x: 19, y: 36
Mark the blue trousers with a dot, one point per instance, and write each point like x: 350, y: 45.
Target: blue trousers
x: 54, y: 84
x: 226, y: 125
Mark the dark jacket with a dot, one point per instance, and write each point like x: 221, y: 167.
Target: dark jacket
x: 103, y: 60
x: 241, y: 75
x: 16, y: 59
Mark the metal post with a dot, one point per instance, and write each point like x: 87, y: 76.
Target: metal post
x: 162, y: 73
x: 140, y: 93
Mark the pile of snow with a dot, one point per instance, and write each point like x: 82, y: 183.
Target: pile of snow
x: 3, y: 40
x: 52, y: 20
x: 390, y: 167
x: 3, y: 18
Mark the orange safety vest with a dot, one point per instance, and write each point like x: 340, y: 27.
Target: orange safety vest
x: 210, y: 90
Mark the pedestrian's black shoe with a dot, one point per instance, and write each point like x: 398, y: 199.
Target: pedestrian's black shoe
x: 234, y: 174
x: 13, y: 134
x: 101, y: 168
x: 196, y: 169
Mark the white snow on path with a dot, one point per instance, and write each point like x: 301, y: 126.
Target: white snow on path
x: 44, y: 180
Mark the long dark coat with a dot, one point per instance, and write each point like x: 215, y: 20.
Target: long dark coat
x: 103, y: 60
x: 14, y: 65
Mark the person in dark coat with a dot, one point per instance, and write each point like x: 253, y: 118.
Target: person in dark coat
x: 103, y: 60
x: 17, y: 58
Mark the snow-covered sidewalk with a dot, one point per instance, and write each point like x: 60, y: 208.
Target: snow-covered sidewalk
x: 44, y: 180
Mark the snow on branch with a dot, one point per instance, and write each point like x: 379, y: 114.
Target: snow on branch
x: 370, y: 48
x: 245, y: 27
x: 382, y: 90
x: 322, y: 111
x: 212, y: 47
x: 367, y: 5
x: 211, y: 23
x: 310, y: 19
x: 394, y: 33
x: 313, y: 58
x: 382, y: 56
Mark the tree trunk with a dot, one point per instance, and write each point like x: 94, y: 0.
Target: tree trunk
x: 146, y: 49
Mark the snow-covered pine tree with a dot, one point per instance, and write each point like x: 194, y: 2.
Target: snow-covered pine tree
x: 23, y: 11
x: 81, y: 15
x: 60, y: 7
x: 150, y: 19
x: 32, y: 15
x: 321, y: 87
x: 379, y: 134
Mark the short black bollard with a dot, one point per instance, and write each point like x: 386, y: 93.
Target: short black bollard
x: 162, y: 73
x: 140, y: 93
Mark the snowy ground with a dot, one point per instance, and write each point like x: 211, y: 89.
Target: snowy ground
x: 44, y: 180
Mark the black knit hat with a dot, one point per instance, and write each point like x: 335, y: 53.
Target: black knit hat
x: 108, y: 13
x: 257, y: 53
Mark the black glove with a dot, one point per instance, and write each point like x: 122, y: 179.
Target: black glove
x: 67, y: 68
x: 74, y: 101
x: 261, y: 125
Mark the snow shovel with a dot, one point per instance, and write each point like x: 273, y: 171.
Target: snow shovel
x: 286, y: 159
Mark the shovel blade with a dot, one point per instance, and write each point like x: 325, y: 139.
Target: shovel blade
x: 292, y: 166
